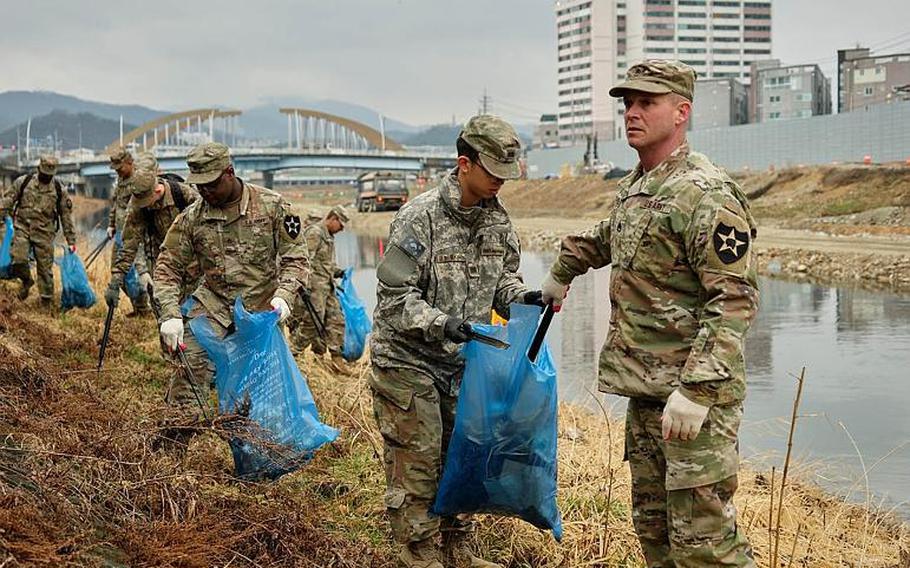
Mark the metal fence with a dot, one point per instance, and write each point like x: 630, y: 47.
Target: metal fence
x: 881, y: 132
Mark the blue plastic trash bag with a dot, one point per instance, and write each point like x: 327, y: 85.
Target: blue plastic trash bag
x: 502, y: 456
x: 257, y: 377
x: 131, y: 282
x: 77, y: 292
x: 357, y: 323
x: 5, y: 258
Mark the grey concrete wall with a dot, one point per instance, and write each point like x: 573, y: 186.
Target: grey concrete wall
x: 882, y: 132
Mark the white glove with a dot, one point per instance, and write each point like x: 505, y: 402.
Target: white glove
x: 110, y: 232
x: 682, y: 418
x: 553, y: 291
x: 172, y: 333
x: 144, y: 280
x: 281, y: 307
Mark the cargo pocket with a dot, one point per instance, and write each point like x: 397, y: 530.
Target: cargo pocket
x: 394, y: 498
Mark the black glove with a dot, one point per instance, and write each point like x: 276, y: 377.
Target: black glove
x: 338, y: 273
x: 112, y: 294
x: 533, y: 298
x: 456, y: 330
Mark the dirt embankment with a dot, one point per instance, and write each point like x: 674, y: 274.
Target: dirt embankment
x: 85, y: 481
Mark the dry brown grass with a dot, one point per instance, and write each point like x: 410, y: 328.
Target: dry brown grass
x: 81, y: 483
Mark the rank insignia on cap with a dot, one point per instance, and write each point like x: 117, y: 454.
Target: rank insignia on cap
x: 730, y: 244
x: 292, y: 226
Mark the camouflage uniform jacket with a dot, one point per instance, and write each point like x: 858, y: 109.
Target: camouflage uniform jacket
x: 145, y: 229
x: 254, y: 251
x: 442, y: 260
x: 683, y: 286
x: 321, y: 247
x: 38, y: 209
x: 120, y: 204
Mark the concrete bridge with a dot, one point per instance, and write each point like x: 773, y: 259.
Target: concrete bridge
x: 316, y: 140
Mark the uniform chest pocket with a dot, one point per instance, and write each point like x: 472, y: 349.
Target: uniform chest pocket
x: 450, y: 270
x: 256, y: 241
x: 629, y: 226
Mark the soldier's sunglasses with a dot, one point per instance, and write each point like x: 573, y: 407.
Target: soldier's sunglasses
x: 210, y: 186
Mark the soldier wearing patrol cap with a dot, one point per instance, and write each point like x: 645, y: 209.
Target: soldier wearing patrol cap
x: 247, y: 243
x: 155, y: 203
x: 452, y: 257
x: 122, y: 163
x: 37, y: 203
x: 683, y: 293
x: 320, y: 242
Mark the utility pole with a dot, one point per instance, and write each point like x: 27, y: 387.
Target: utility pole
x: 485, y: 101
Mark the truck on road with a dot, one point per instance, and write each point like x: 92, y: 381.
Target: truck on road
x: 381, y: 191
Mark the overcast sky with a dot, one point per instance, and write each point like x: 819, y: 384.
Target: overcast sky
x: 420, y: 61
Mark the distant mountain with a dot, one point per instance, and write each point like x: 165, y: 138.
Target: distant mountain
x: 436, y: 135
x: 69, y: 129
x: 18, y: 106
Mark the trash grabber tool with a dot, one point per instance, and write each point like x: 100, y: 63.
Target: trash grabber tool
x: 541, y: 332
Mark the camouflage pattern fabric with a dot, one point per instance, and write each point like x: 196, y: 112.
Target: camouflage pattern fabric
x: 683, y: 285
x: 144, y: 232
x: 658, y: 77
x: 120, y: 206
x: 682, y: 491
x: 252, y: 249
x: 34, y: 224
x: 683, y: 293
x: 442, y: 260
x: 321, y: 247
x: 180, y: 391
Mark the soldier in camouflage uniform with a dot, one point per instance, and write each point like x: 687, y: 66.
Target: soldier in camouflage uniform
x: 320, y: 242
x: 122, y: 163
x: 247, y: 243
x: 683, y: 293
x: 155, y: 204
x: 452, y: 257
x: 36, y: 207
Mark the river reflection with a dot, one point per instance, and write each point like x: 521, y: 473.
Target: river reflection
x: 854, y: 344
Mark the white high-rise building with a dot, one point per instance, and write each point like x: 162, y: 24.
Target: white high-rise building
x: 599, y: 39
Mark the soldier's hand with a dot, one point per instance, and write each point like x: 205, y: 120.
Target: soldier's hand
x: 682, y: 418
x: 172, y: 333
x: 553, y: 291
x: 456, y: 330
x: 110, y: 232
x: 280, y: 306
x: 533, y: 298
x: 112, y: 294
x: 145, y: 280
x: 339, y: 273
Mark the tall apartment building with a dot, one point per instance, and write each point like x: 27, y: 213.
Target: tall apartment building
x: 783, y: 92
x: 546, y: 134
x: 599, y: 39
x: 720, y: 102
x: 864, y: 79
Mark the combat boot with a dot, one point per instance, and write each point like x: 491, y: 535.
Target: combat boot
x: 457, y: 553
x: 23, y: 292
x: 421, y: 554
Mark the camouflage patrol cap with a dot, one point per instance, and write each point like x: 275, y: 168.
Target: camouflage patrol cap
x: 47, y: 165
x: 142, y: 187
x: 497, y: 142
x: 340, y: 214
x: 207, y: 161
x: 147, y: 161
x: 119, y: 156
x: 658, y: 77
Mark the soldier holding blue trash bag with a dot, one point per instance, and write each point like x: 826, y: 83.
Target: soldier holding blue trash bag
x: 683, y: 293
x: 247, y: 243
x: 452, y: 257
x: 39, y: 205
x: 121, y: 161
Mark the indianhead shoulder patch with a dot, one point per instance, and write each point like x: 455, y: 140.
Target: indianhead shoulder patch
x: 292, y: 226
x: 730, y: 244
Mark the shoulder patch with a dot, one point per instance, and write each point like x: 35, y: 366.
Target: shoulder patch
x: 292, y: 226
x: 412, y: 246
x: 730, y: 244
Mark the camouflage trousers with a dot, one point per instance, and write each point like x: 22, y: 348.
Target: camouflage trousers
x: 43, y: 247
x: 682, y: 491
x: 303, y: 330
x: 180, y: 392
x: 415, y: 418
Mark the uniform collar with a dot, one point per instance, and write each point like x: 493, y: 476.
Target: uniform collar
x: 450, y: 192
x: 647, y: 182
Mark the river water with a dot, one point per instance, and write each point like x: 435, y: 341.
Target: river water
x: 855, y: 345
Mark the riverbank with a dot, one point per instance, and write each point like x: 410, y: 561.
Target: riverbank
x: 82, y: 483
